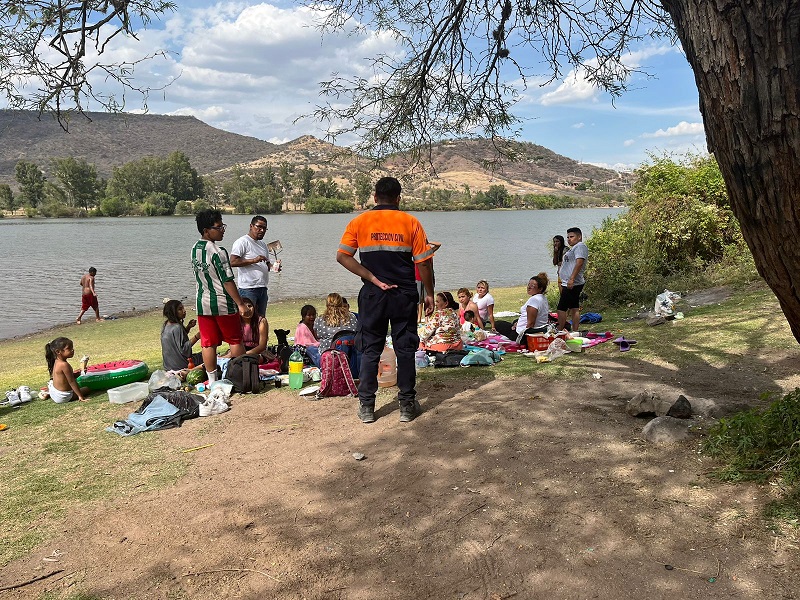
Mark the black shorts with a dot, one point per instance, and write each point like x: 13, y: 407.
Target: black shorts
x: 570, y: 298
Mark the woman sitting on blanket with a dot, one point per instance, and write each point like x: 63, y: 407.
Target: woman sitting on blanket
x: 534, y: 313
x: 485, y: 303
x: 465, y: 303
x: 442, y: 331
x: 255, y: 334
x: 335, y: 318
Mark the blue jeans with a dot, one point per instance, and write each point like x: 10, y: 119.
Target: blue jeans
x: 259, y: 297
x: 313, y: 354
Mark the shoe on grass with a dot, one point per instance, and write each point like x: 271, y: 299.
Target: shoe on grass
x: 366, y: 414
x: 409, y: 412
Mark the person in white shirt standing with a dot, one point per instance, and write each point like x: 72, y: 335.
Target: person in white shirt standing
x: 251, y: 256
x: 573, y: 267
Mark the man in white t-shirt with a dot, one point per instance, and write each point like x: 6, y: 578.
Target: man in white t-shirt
x: 573, y: 267
x: 251, y: 256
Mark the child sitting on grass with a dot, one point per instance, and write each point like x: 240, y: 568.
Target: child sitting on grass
x: 304, y: 334
x: 62, y: 386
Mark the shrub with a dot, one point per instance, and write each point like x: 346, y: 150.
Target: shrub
x: 759, y: 444
x: 679, y: 228
x: 319, y: 205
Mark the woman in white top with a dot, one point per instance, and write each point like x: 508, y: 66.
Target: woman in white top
x: 536, y: 311
x: 485, y: 303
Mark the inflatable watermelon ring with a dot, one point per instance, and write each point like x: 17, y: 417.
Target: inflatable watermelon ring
x: 112, y: 374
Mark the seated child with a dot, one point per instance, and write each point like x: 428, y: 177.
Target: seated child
x: 304, y: 334
x: 176, y: 346
x: 468, y: 326
x: 62, y: 386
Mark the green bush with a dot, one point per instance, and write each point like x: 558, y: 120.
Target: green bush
x: 679, y: 229
x: 318, y: 205
x: 759, y: 444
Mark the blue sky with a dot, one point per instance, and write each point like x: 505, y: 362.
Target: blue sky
x: 254, y: 68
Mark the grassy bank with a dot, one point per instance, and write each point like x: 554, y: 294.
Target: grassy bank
x: 56, y: 456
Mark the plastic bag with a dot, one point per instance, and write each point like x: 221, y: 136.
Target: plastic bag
x: 558, y: 347
x: 160, y: 379
x: 665, y: 303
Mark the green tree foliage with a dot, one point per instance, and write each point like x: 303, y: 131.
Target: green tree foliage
x: 318, y: 205
x: 113, y: 206
x: 78, y: 181
x: 7, y: 199
x: 31, y: 183
x: 253, y: 191
x: 328, y: 188
x: 679, y: 225
x: 305, y: 179
x: 136, y: 182
x: 362, y: 188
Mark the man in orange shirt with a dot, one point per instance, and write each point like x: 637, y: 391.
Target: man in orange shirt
x: 390, y: 242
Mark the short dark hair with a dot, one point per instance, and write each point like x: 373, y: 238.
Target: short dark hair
x: 307, y: 310
x: 388, y: 188
x: 575, y: 230
x: 206, y: 218
x: 92, y: 271
x: 469, y: 314
x: 257, y: 218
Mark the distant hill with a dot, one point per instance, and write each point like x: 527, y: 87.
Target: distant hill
x: 111, y: 140
x: 452, y: 164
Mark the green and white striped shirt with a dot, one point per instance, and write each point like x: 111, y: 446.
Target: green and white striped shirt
x: 212, y: 268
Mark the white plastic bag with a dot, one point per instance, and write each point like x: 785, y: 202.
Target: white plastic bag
x: 160, y: 379
x: 665, y: 303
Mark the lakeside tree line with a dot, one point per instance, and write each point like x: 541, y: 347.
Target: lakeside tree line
x: 154, y: 186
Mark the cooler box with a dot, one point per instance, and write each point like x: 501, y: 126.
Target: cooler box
x: 128, y: 393
x: 541, y: 341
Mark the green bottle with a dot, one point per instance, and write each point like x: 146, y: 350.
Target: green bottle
x: 295, y: 370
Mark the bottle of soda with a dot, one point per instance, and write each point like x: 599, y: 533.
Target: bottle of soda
x: 295, y: 370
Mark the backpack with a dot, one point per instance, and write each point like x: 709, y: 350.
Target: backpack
x: 243, y: 373
x: 345, y: 341
x: 336, y: 377
x: 451, y: 358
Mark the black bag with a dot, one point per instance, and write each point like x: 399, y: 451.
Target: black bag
x: 243, y: 373
x: 451, y: 358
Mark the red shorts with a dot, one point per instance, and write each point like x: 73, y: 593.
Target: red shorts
x: 217, y: 329
x: 88, y: 301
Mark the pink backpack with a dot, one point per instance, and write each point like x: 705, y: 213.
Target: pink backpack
x: 336, y: 377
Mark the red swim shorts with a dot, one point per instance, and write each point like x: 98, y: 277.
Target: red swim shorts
x: 217, y: 329
x: 88, y: 301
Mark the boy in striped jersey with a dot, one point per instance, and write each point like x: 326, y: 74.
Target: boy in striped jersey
x: 218, y: 301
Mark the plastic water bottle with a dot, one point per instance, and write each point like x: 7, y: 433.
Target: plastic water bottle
x: 295, y: 370
x: 387, y: 368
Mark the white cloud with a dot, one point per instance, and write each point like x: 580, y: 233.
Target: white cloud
x: 628, y: 143
x: 680, y: 130
x: 578, y: 126
x: 575, y: 87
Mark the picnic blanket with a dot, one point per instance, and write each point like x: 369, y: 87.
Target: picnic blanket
x: 496, y: 342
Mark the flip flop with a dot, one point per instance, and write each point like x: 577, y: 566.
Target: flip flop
x: 3, y: 426
x: 624, y: 345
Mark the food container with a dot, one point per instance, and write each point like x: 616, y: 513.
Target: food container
x: 128, y: 393
x: 541, y: 341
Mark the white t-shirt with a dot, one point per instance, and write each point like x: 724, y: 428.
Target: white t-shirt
x: 539, y: 302
x: 483, y: 305
x: 255, y: 275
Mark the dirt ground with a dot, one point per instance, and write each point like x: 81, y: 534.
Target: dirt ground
x: 501, y: 488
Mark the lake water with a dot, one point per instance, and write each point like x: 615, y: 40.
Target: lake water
x: 140, y: 261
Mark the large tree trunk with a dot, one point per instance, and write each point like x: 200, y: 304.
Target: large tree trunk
x: 745, y: 55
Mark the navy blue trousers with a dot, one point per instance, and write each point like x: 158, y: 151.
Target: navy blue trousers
x: 377, y: 310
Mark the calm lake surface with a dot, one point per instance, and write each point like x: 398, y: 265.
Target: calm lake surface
x: 140, y: 261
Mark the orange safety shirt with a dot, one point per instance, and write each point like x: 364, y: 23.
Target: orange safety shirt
x: 389, y: 242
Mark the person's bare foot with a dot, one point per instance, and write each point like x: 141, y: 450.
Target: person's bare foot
x: 98, y: 319
x: 77, y: 321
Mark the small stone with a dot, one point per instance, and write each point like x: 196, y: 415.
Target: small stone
x: 668, y: 567
x: 358, y: 456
